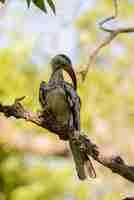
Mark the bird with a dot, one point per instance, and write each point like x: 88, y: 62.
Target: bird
x: 60, y: 99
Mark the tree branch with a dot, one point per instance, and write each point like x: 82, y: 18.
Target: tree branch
x: 115, y: 163
x: 45, y: 120
x: 112, y: 35
x: 102, y: 23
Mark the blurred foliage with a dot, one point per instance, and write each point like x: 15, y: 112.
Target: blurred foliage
x: 107, y: 115
x: 40, y: 4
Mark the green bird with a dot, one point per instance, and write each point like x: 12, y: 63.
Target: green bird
x: 61, y: 100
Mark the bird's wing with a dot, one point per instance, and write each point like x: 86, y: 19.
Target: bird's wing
x: 74, y: 103
x: 42, y: 93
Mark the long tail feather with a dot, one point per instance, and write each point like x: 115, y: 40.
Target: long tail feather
x: 78, y: 159
x: 83, y: 164
x: 89, y: 167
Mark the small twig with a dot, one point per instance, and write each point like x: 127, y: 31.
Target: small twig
x: 112, y: 34
x: 101, y: 24
x: 115, y: 163
x: 94, y: 54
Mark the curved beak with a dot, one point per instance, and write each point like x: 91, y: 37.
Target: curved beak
x: 71, y: 72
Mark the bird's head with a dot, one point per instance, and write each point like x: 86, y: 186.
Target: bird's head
x: 61, y: 61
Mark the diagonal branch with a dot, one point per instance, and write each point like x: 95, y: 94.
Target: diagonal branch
x: 113, y: 33
x: 115, y: 163
x: 45, y: 120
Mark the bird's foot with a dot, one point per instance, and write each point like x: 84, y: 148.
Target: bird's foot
x: 88, y: 146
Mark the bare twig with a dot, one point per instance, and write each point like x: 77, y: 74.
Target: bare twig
x: 101, y: 24
x: 115, y: 163
x: 112, y: 34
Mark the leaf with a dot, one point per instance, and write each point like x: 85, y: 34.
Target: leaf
x: 40, y: 4
x: 2, y: 1
x: 28, y: 3
x: 52, y: 6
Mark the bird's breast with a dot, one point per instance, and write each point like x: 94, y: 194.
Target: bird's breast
x: 58, y: 105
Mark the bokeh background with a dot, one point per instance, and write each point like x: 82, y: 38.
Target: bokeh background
x: 29, y: 39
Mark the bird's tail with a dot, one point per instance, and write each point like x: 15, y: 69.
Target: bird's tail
x: 78, y: 159
x: 89, y: 168
x: 83, y: 164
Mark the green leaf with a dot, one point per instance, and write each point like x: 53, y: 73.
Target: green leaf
x: 28, y: 3
x: 40, y: 4
x: 2, y: 1
x: 52, y: 6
